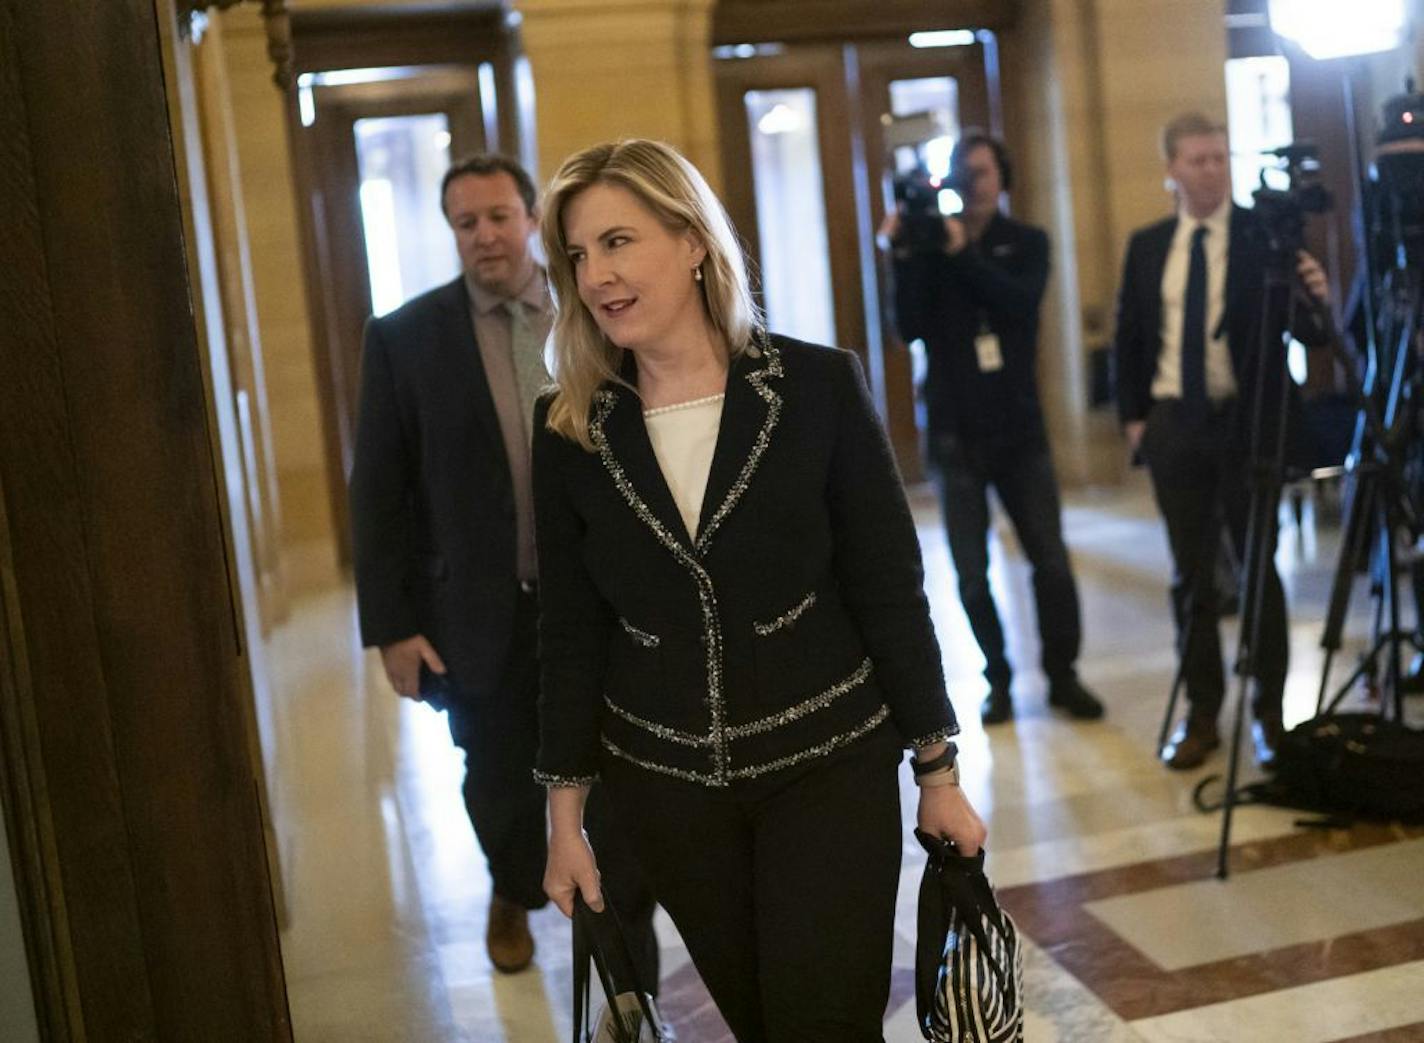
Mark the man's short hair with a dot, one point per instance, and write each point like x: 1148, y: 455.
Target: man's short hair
x: 1187, y: 125
x: 973, y: 138
x: 486, y: 164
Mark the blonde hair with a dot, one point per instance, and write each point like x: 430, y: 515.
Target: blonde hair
x: 678, y: 195
x: 1187, y: 125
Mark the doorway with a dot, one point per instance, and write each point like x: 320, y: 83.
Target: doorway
x: 386, y: 100
x: 811, y: 133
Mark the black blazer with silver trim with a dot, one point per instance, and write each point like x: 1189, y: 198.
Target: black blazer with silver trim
x: 793, y: 624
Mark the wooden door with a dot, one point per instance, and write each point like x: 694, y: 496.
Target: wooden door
x: 826, y: 101
x: 790, y: 189
x: 447, y: 99
x: 899, y: 80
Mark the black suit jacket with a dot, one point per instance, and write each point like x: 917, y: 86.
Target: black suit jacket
x: 432, y: 502
x: 998, y: 282
x: 1138, y: 342
x: 793, y: 624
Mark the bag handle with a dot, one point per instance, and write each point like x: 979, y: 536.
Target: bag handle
x: 964, y: 885
x: 599, y: 938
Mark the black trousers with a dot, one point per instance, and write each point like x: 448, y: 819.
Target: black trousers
x: 1026, y: 485
x: 499, y: 734
x: 1199, y: 474
x: 783, y: 887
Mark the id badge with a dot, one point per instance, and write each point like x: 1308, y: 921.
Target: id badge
x: 986, y: 347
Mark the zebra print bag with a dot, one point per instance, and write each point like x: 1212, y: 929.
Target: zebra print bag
x: 968, y: 964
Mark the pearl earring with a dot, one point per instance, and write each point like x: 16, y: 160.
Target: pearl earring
x: 697, y: 273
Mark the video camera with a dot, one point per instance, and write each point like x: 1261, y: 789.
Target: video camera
x: 1283, y: 210
x: 1396, y: 213
x: 921, y: 221
x: 917, y: 191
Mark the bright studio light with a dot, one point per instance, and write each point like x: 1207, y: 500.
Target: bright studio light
x: 1340, y: 28
x: 943, y: 38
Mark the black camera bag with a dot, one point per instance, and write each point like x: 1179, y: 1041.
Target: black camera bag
x: 1355, y: 764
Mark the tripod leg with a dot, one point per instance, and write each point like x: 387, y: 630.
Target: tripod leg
x: 1394, y: 669
x: 1324, y: 681
x: 1179, y: 680
x: 1350, y: 682
x: 1228, y: 801
x: 1177, y: 684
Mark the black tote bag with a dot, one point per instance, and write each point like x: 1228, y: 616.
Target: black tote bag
x: 632, y: 1014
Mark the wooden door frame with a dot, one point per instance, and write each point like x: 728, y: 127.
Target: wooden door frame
x: 851, y: 146
x: 755, y: 21
x: 453, y: 34
x: 881, y: 63
x: 346, y: 277
x: 820, y: 68
x: 128, y: 791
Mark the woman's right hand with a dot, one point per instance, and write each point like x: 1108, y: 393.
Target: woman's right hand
x: 571, y: 868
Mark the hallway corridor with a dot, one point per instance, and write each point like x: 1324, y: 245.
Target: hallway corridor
x: 1093, y: 845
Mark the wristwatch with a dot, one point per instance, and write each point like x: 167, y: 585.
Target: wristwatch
x: 946, y: 759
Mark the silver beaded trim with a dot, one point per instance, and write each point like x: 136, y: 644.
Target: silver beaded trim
x: 643, y: 638
x: 604, y: 402
x: 933, y: 737
x: 544, y: 778
x: 701, y: 777
x: 786, y: 618
x: 751, y: 771
x: 758, y: 379
x: 811, y: 705
x: 835, y: 742
x: 662, y: 731
x: 757, y: 727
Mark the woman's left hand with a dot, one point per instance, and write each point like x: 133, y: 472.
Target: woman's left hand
x: 946, y: 812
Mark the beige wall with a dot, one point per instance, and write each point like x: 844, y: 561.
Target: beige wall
x: 1088, y: 85
x: 282, y: 311
x: 622, y: 68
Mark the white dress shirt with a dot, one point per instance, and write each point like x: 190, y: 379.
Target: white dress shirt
x: 1220, y: 378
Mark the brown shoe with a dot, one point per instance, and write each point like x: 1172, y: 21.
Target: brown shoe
x: 510, y: 945
x: 1190, y: 743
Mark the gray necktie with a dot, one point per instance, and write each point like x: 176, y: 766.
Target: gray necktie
x: 527, y: 347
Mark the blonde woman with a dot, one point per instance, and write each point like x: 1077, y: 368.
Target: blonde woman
x: 734, y: 635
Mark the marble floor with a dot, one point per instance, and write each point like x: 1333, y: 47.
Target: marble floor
x: 1095, y: 848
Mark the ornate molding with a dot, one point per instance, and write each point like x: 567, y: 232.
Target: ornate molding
x: 193, y: 16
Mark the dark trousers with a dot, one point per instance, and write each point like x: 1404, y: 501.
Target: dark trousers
x: 783, y: 887
x: 499, y: 733
x: 1199, y: 476
x: 1023, y: 478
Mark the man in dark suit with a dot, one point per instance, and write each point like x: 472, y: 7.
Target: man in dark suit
x: 974, y: 301
x: 1187, y: 344
x: 443, y: 517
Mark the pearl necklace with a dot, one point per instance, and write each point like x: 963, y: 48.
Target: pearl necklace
x: 685, y: 405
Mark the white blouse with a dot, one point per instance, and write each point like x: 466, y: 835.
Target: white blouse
x: 684, y: 437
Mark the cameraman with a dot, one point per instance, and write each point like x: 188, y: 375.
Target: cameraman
x: 1188, y: 338
x: 970, y: 288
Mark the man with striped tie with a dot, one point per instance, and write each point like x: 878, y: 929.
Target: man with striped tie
x: 1188, y: 336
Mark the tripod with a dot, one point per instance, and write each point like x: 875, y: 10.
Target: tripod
x: 1270, y: 389
x: 1378, y: 504
x: 1281, y: 293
